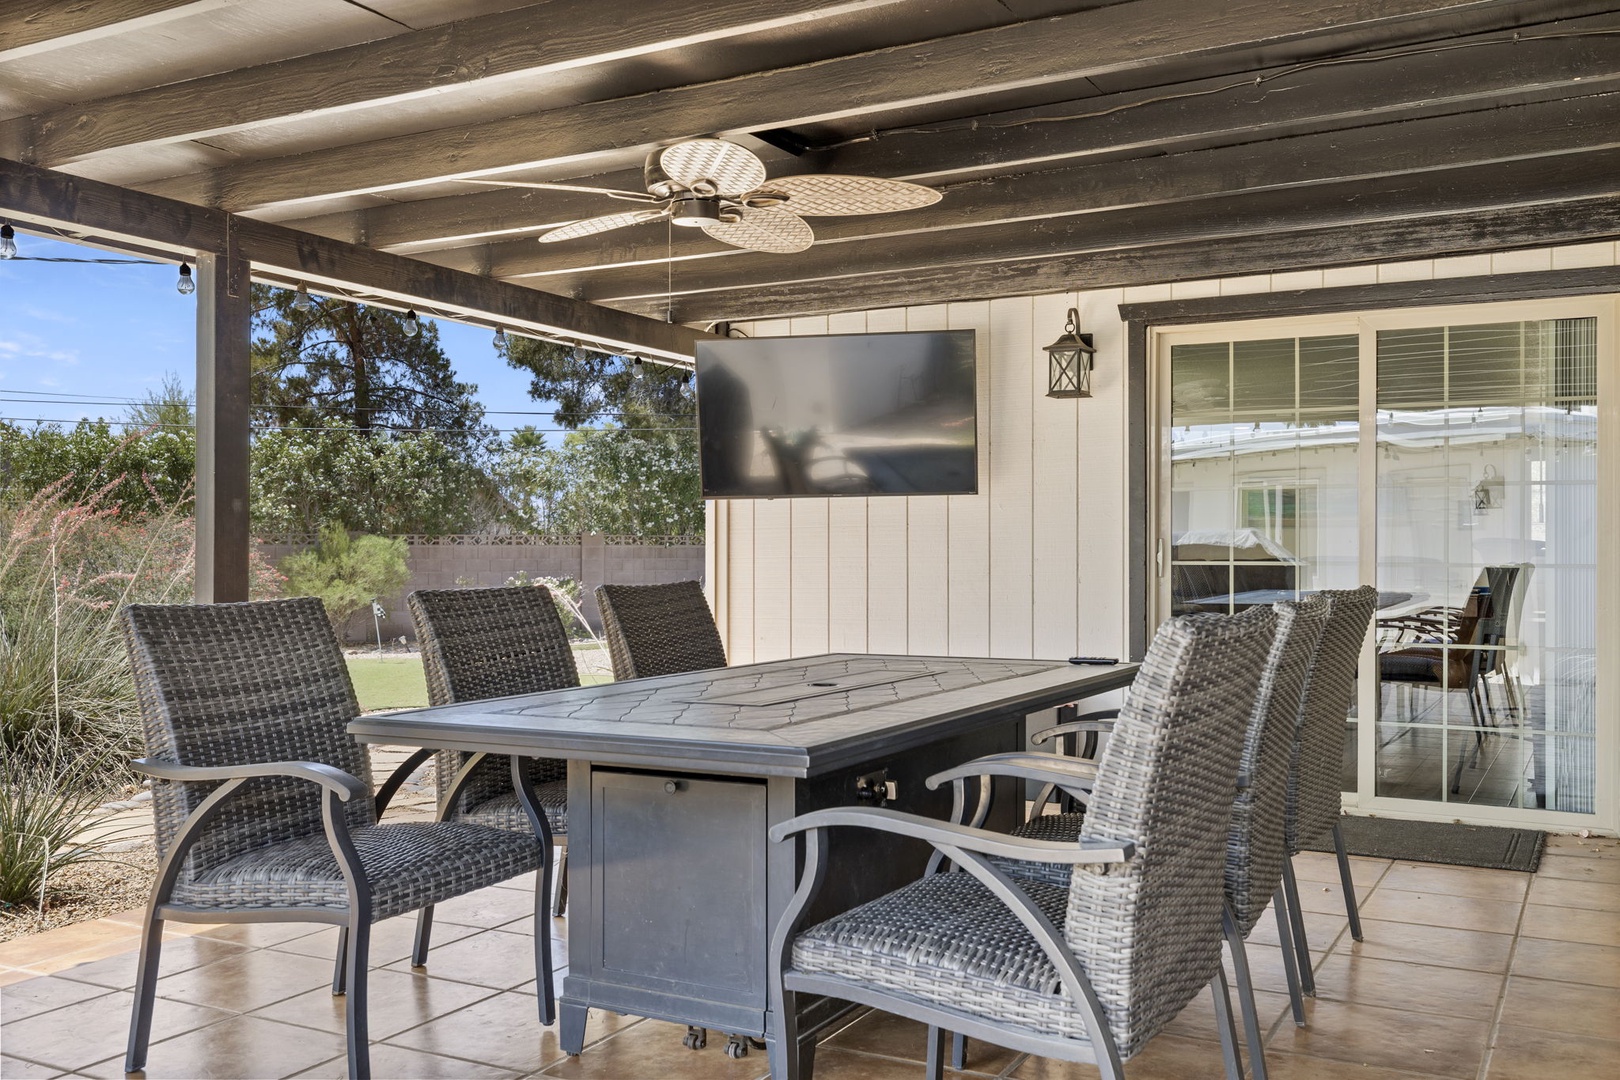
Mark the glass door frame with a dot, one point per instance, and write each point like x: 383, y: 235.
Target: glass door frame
x: 1367, y: 324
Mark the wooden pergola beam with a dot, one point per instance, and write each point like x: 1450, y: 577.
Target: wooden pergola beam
x: 30, y: 193
x: 1530, y: 153
x: 1235, y: 255
x: 29, y: 27
x: 1315, y: 100
x: 1061, y: 49
x: 500, y: 49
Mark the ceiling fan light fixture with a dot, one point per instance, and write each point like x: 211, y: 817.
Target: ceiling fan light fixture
x: 693, y: 211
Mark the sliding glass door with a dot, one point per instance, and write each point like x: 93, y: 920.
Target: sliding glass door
x: 1451, y: 457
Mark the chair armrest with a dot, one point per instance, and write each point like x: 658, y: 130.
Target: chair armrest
x: 1065, y: 772
x: 1102, y: 721
x: 945, y: 834
x: 333, y: 779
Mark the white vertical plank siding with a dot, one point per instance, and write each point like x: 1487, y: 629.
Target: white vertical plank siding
x: 1011, y: 463
x: 773, y: 579
x: 970, y: 514
x: 740, y: 574
x: 1102, y: 521
x: 928, y: 561
x: 1054, y: 492
x: 847, y: 529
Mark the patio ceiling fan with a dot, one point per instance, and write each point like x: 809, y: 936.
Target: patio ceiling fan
x: 720, y: 187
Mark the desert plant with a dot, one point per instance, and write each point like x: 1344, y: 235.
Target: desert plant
x: 347, y: 572
x: 48, y: 797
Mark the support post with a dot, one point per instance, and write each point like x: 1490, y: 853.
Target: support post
x: 224, y: 319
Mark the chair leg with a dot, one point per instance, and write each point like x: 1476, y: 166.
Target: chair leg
x: 340, y: 966
x: 559, y: 901
x: 424, y: 931
x: 1245, y: 989
x: 935, y: 1068
x: 542, y: 943
x: 1225, y: 1024
x: 1285, y: 941
x: 140, y: 1020
x: 783, y: 1049
x: 1347, y: 883
x: 958, y: 1051
x: 1296, y: 917
x: 359, y: 942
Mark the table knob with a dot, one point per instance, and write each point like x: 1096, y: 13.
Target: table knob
x: 672, y: 786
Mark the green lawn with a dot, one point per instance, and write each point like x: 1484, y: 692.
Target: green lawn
x: 396, y: 682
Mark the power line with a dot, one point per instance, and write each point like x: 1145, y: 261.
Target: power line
x: 381, y: 430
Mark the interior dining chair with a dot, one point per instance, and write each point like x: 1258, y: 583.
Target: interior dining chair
x: 1088, y: 971
x: 488, y: 643
x: 1315, y: 803
x: 1255, y: 845
x: 263, y: 802
x: 659, y: 629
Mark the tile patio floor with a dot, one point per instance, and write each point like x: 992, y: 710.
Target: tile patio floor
x: 1464, y: 973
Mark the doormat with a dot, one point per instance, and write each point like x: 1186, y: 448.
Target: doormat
x: 1488, y: 847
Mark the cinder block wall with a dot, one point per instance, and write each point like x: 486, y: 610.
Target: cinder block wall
x: 473, y: 562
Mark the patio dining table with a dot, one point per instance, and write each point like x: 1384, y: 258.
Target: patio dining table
x: 674, y: 783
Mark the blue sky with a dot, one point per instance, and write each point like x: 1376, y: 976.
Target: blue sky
x: 80, y: 339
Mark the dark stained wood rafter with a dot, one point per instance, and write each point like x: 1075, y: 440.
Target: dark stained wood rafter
x: 1160, y: 121
x: 1233, y: 256
x: 967, y: 66
x: 1213, y: 221
x: 32, y: 194
x: 528, y: 43
x: 31, y: 26
x: 1091, y: 143
x: 1044, y: 204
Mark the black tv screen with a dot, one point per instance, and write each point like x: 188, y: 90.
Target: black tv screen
x: 844, y: 414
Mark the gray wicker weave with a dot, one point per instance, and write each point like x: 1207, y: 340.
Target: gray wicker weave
x: 1089, y: 972
x: 263, y: 802
x: 487, y: 643
x: 1314, y: 801
x: 659, y: 629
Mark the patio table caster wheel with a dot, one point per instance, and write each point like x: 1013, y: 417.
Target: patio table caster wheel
x: 696, y: 1038
x: 737, y: 1046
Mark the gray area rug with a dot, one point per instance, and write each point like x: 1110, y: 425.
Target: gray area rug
x: 1440, y: 842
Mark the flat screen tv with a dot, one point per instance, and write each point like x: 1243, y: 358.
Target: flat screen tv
x: 845, y: 414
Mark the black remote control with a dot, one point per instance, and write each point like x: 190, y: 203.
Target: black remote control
x: 1100, y: 661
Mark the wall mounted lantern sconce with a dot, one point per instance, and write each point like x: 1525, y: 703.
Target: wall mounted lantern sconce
x: 1491, y: 491
x: 1069, y: 360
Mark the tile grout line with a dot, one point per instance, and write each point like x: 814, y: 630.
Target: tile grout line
x: 1507, y: 978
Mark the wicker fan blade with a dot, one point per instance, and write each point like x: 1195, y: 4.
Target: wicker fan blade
x: 764, y: 230
x: 591, y: 226
x: 821, y: 194
x: 731, y: 169
x: 612, y: 193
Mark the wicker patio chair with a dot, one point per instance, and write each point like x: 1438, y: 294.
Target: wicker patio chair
x: 263, y: 802
x: 488, y: 643
x: 659, y: 629
x: 1314, y: 801
x: 1255, y: 842
x: 1090, y: 971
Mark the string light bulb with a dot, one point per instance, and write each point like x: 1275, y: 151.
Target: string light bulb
x: 302, y: 300
x: 500, y: 337
x: 8, y: 241
x: 185, y: 285
x: 636, y: 369
x: 413, y: 325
